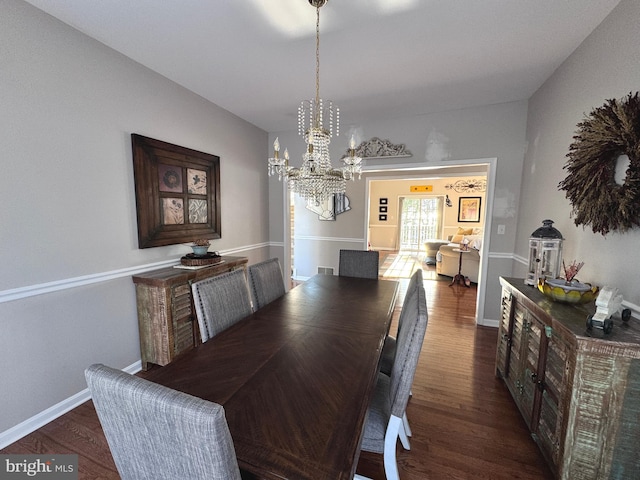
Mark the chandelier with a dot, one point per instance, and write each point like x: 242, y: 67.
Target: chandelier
x: 316, y: 179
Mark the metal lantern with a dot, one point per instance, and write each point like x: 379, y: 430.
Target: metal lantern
x: 545, y: 253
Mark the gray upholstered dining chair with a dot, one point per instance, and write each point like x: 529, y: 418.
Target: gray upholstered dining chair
x: 385, y: 416
x: 220, y: 302
x: 156, y: 433
x: 389, y: 351
x: 266, y: 282
x: 358, y: 263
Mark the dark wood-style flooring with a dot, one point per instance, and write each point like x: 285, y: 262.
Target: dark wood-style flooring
x: 465, y: 425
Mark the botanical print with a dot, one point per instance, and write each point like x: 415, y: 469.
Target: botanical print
x: 196, y: 182
x: 169, y: 178
x: 197, y: 211
x: 172, y: 211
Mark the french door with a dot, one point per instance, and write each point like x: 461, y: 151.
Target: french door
x: 420, y: 219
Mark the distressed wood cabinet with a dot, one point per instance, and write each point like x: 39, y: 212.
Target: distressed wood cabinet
x: 166, y: 315
x: 578, y: 391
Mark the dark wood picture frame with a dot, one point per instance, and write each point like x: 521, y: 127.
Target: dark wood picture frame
x: 469, y: 209
x: 177, y: 193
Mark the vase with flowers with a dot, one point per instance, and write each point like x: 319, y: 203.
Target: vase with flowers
x: 571, y: 271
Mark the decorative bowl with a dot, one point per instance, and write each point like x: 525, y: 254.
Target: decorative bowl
x: 559, y: 290
x: 200, y: 250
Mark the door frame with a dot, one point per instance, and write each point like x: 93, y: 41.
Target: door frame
x: 489, y: 165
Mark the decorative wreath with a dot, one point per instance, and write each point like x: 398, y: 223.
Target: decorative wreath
x: 608, y: 132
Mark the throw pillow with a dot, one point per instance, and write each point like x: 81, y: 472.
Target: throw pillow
x: 457, y: 238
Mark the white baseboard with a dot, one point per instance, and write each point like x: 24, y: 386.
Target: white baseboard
x: 487, y: 322
x: 37, y: 421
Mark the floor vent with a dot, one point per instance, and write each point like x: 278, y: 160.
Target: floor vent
x: 325, y: 270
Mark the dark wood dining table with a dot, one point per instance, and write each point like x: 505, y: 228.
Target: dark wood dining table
x: 295, y: 377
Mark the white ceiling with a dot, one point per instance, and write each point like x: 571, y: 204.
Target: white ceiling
x: 378, y: 58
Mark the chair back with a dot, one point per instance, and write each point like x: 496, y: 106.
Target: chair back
x: 220, y: 302
x: 390, y: 343
x: 358, y: 263
x: 416, y: 279
x: 409, y: 342
x: 158, y: 433
x: 266, y: 282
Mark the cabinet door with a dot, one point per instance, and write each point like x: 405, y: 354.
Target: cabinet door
x: 513, y: 377
x: 532, y: 332
x: 183, y: 338
x: 504, y: 335
x: 555, y: 396
x: 524, y: 356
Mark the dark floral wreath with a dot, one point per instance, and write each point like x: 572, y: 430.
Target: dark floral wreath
x: 608, y: 132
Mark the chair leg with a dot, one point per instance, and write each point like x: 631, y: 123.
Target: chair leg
x: 405, y: 421
x: 404, y: 438
x: 390, y: 440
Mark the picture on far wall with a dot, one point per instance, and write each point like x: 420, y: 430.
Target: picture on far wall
x: 330, y: 207
x: 177, y: 193
x: 382, y: 218
x: 469, y: 209
x: 383, y: 208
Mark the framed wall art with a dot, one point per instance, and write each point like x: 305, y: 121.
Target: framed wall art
x: 177, y: 193
x: 330, y: 207
x: 469, y: 209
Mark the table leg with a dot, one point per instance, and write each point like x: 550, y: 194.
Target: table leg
x: 459, y: 278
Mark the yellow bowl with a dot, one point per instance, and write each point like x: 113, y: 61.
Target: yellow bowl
x: 577, y: 292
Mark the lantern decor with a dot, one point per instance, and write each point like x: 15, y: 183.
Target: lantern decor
x: 545, y: 254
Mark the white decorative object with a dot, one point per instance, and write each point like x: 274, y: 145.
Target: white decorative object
x: 377, y: 148
x: 545, y: 254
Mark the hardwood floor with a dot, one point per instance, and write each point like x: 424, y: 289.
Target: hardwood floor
x: 465, y: 425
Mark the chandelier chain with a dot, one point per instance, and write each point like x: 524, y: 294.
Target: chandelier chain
x: 317, y: 61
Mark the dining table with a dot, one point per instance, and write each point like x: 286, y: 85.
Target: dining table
x: 295, y: 377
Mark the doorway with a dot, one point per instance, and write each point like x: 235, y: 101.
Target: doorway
x: 447, y: 181
x: 317, y: 249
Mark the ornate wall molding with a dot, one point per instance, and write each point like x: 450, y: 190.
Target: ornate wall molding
x: 468, y: 186
x: 377, y: 148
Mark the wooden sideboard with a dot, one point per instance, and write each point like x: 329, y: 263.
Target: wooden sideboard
x: 166, y: 315
x: 578, y: 390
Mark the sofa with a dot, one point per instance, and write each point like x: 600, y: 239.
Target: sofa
x: 447, y: 261
x: 431, y: 247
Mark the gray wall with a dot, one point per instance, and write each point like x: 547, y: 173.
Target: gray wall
x: 68, y: 234
x: 606, y: 65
